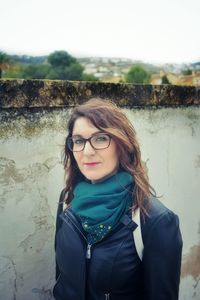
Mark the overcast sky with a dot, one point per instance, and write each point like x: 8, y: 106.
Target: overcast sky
x: 149, y: 30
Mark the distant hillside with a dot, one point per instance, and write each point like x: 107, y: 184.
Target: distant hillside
x: 106, y: 69
x: 27, y: 59
x: 119, y: 62
x: 196, y: 65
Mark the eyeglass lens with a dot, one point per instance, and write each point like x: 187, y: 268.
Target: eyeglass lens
x: 98, y: 141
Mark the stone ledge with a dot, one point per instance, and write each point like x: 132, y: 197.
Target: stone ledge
x: 58, y: 93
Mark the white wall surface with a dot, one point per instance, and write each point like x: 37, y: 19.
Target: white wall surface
x: 31, y: 178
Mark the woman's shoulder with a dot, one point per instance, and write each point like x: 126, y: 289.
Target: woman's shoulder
x: 156, y: 208
x: 160, y: 229
x: 159, y: 215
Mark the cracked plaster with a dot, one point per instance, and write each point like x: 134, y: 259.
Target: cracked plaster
x: 31, y: 177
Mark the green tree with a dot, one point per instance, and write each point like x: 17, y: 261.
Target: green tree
x: 165, y: 80
x: 4, y: 62
x: 34, y: 71
x: 187, y: 72
x: 25, y: 71
x: 55, y: 73
x: 61, y: 59
x: 89, y: 77
x: 72, y: 72
x: 59, y: 65
x: 137, y: 74
x: 15, y: 72
x: 64, y: 66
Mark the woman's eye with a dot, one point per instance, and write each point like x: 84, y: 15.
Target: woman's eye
x: 78, y: 141
x: 101, y: 138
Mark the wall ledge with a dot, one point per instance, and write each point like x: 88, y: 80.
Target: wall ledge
x: 58, y: 93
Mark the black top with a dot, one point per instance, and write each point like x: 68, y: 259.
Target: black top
x: 114, y: 270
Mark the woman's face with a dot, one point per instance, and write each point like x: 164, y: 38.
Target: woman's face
x: 95, y: 165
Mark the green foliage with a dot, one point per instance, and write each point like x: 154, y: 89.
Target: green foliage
x: 35, y: 71
x: 137, y: 74
x: 64, y: 66
x: 15, y: 72
x: 165, y: 80
x: 27, y: 59
x: 4, y: 58
x: 4, y: 62
x: 60, y: 65
x: 30, y: 71
x: 55, y: 73
x: 187, y: 72
x: 60, y: 59
x: 72, y: 72
x: 89, y: 77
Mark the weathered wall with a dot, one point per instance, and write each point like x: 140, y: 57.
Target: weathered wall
x: 33, y: 119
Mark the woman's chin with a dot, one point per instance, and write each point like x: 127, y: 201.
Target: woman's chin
x: 94, y: 179
x: 99, y: 178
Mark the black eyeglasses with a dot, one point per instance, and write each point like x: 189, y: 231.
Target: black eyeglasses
x: 98, y: 141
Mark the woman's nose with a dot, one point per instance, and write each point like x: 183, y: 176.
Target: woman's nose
x: 88, y: 149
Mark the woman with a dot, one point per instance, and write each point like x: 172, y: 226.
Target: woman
x: 96, y: 255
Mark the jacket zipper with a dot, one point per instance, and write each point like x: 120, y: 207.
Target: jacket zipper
x: 68, y: 214
x: 88, y: 250
x: 107, y: 296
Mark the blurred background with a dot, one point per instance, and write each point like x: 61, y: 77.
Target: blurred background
x: 146, y: 41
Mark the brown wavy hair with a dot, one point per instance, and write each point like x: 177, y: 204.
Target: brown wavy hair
x: 107, y: 117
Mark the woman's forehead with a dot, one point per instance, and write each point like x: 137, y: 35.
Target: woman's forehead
x: 83, y: 126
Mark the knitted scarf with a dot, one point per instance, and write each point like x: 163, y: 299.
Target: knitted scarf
x: 100, y: 206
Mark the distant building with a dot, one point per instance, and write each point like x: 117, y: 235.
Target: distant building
x: 111, y: 69
x: 177, y: 79
x: 156, y: 79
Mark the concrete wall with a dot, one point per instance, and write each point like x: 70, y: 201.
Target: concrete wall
x: 32, y: 134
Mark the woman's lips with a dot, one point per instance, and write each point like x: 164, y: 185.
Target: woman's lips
x: 91, y: 164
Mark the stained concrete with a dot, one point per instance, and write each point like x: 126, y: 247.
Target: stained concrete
x: 47, y: 93
x: 31, y: 178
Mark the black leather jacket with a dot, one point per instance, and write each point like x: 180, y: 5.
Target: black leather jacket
x: 111, y: 268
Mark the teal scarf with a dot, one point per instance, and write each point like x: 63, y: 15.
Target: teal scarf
x: 100, y: 206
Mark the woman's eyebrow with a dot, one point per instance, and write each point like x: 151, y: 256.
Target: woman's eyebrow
x: 80, y: 135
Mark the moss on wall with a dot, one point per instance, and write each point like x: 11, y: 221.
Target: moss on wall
x: 47, y: 93
x: 31, y: 122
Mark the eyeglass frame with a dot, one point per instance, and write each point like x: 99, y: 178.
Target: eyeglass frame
x: 69, y: 138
